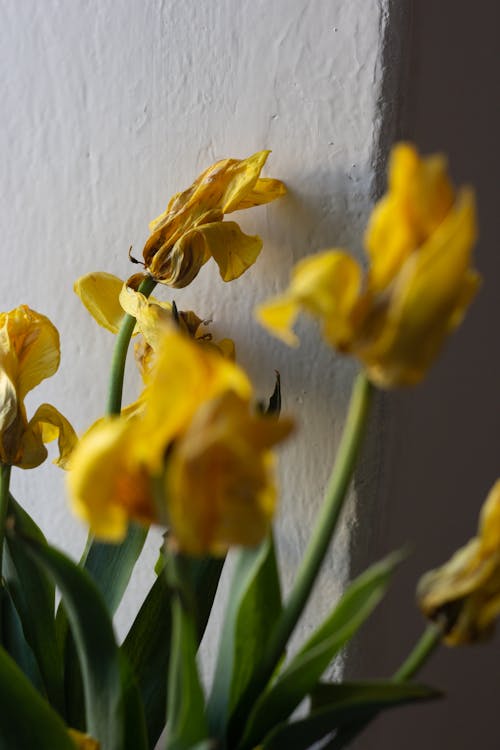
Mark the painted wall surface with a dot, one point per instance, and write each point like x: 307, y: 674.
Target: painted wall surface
x: 109, y: 108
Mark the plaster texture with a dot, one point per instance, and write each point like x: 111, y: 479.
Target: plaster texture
x: 108, y: 109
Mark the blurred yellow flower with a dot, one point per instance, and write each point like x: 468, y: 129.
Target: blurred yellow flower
x: 465, y: 592
x: 196, y: 412
x: 29, y: 353
x: 83, y: 741
x: 418, y: 286
x: 192, y: 229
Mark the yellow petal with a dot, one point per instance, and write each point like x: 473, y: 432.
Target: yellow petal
x: 8, y: 401
x: 419, y: 198
x: 107, y: 486
x: 151, y: 315
x: 244, y: 176
x: 428, y: 300
x: 185, y: 375
x: 49, y: 424
x: 100, y: 294
x: 29, y: 348
x: 327, y: 285
x: 232, y: 250
x: 220, y: 487
x: 265, y: 190
x: 83, y: 741
x: 278, y: 316
x: 178, y: 264
x: 489, y: 523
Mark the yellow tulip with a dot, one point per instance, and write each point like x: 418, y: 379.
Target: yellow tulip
x: 195, y: 412
x: 29, y: 353
x: 465, y: 592
x: 192, y: 229
x: 417, y: 288
x: 107, y: 298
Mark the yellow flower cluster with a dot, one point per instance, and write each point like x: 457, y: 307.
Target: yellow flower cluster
x: 418, y: 285
x: 29, y: 353
x: 466, y: 590
x: 196, y: 458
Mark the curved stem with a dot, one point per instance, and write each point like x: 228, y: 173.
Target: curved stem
x: 318, y: 544
x: 423, y: 649
x: 120, y: 353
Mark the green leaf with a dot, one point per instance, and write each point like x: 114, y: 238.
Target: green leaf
x: 147, y: 644
x: 26, y: 720
x: 334, y: 706
x: 16, y: 644
x: 111, y: 565
x: 187, y: 724
x: 114, y: 715
x: 304, y: 670
x: 254, y: 605
x: 33, y: 595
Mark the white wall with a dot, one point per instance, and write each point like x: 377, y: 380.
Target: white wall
x: 110, y: 107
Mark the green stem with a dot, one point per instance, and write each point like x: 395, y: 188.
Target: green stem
x: 418, y: 656
x: 115, y: 391
x: 318, y: 544
x: 423, y: 649
x: 120, y: 353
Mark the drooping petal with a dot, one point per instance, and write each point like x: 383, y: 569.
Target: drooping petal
x: 100, y: 292
x: 264, y: 191
x: 466, y: 590
x: 232, y: 250
x: 327, y: 285
x: 46, y: 425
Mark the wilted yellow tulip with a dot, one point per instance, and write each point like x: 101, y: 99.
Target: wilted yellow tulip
x: 417, y: 288
x: 107, y: 298
x: 465, y: 592
x: 29, y: 353
x: 196, y: 411
x: 192, y: 229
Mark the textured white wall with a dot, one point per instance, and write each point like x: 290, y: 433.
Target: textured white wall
x: 110, y: 107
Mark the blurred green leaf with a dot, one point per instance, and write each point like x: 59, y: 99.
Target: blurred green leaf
x: 335, y: 705
x: 26, y: 719
x: 33, y: 595
x: 16, y: 644
x: 114, y: 714
x: 187, y: 725
x: 111, y: 565
x: 254, y: 605
x: 147, y: 644
x: 304, y: 670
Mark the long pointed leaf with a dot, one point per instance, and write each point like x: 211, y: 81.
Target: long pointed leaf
x: 305, y: 669
x: 187, y: 724
x: 254, y: 605
x: 111, y: 565
x: 16, y: 644
x: 335, y: 706
x: 26, y: 719
x: 33, y: 595
x: 113, y: 715
x: 147, y: 644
